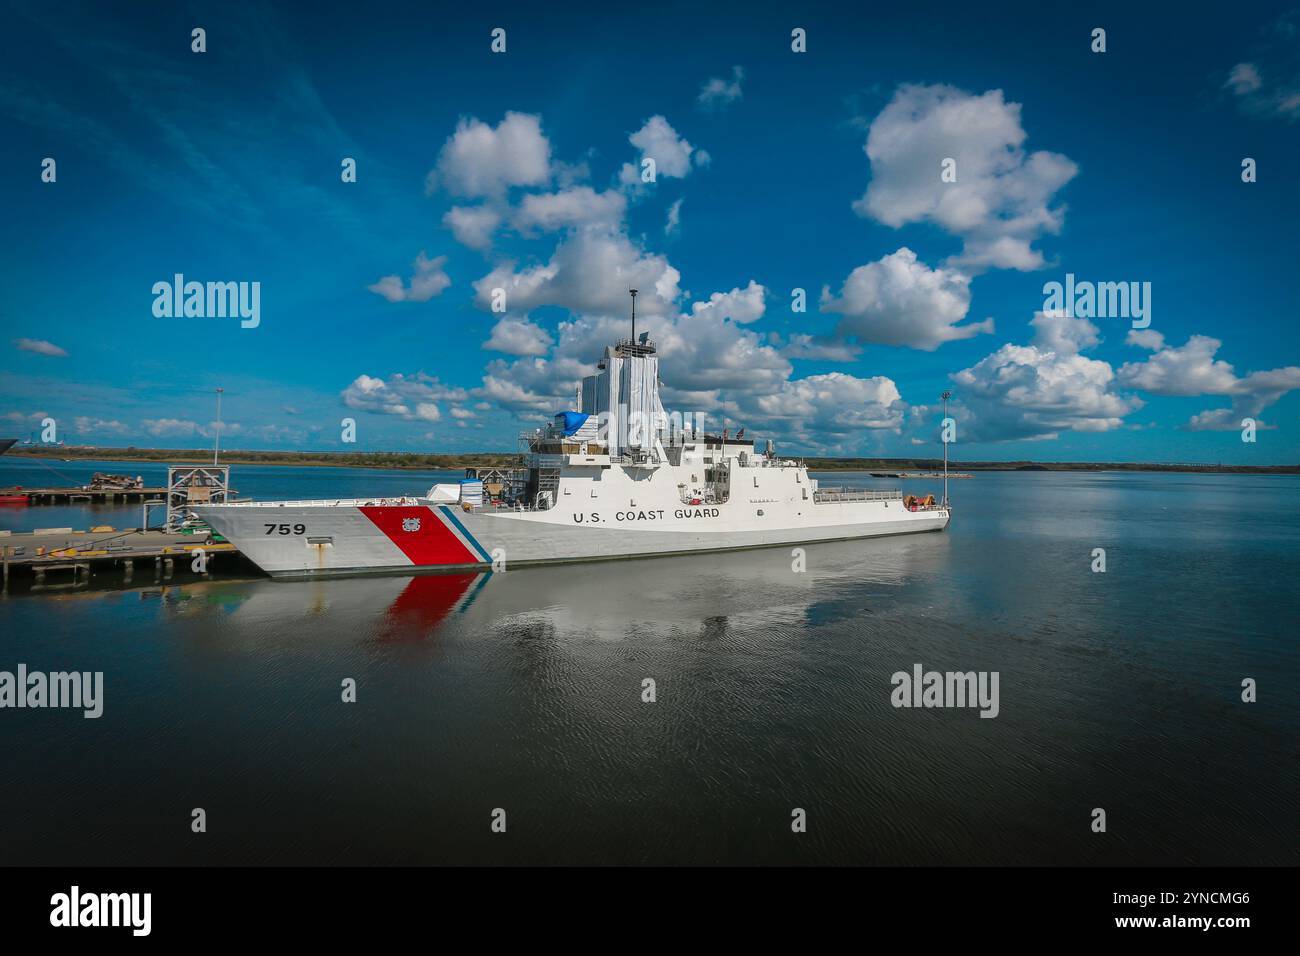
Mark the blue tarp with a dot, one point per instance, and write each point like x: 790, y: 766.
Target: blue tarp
x: 573, y: 421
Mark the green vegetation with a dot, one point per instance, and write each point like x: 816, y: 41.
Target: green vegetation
x: 194, y: 456
x: 414, y: 461
x: 936, y: 464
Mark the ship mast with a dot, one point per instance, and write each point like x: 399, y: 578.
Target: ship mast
x: 945, y: 396
x: 216, y: 437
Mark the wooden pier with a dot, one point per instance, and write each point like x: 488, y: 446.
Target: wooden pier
x: 61, y: 496
x: 61, y: 550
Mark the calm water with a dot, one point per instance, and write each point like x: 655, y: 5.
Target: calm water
x: 523, y: 691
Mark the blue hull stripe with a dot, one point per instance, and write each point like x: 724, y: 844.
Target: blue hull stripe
x: 468, y: 537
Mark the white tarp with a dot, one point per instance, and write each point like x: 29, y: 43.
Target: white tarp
x: 445, y: 493
x: 642, y: 396
x: 626, y: 392
x: 616, y: 426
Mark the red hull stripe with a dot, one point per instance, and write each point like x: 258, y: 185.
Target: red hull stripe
x: 420, y: 535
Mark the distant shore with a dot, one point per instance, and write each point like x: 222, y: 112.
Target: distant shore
x: 411, y: 461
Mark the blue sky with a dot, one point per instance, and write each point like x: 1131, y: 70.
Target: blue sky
x: 522, y: 170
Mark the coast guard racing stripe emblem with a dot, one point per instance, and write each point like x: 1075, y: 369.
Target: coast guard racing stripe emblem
x: 418, y: 533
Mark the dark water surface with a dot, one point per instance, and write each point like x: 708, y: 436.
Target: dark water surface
x: 523, y: 691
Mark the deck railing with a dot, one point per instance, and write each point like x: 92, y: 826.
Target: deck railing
x: 856, y: 494
x: 388, y: 502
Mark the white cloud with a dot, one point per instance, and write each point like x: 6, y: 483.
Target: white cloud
x: 672, y: 153
x: 169, y: 427
x: 589, y: 272
x: 1268, y: 84
x: 1063, y: 334
x: 740, y: 305
x: 1254, y: 393
x: 85, y: 425
x: 1243, y: 78
x: 481, y: 160
x: 1001, y: 200
x: 705, y: 359
x: 1192, y: 369
x: 816, y: 348
x: 709, y: 358
x: 472, y: 226
x: 269, y: 433
x: 1145, y: 338
x: 1038, y: 391
x: 427, y: 281
x: 411, y: 397
x: 1215, y: 420
x: 833, y: 406
x: 518, y: 337
x: 530, y: 386
x: 576, y: 207
x: 709, y: 364
x: 674, y: 222
x: 40, y: 347
x: 718, y: 93
x: 711, y: 361
x: 899, y: 300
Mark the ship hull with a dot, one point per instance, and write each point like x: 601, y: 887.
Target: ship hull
x: 291, y: 540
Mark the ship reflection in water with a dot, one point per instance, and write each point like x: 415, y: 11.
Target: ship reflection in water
x: 423, y: 603
x: 598, y: 599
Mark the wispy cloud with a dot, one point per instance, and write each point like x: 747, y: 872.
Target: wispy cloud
x: 718, y: 93
x: 1268, y: 84
x: 40, y: 347
x: 427, y: 280
x: 174, y: 131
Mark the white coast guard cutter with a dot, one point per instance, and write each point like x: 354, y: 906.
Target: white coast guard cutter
x: 615, y: 479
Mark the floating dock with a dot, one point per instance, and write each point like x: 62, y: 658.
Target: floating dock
x: 48, y: 550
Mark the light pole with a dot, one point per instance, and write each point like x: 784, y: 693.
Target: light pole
x: 632, y: 293
x: 216, y: 438
x: 943, y: 434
